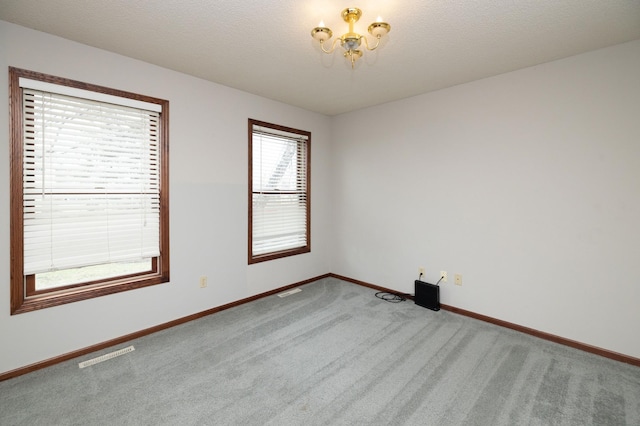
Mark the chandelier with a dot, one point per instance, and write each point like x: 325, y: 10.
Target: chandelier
x: 351, y: 41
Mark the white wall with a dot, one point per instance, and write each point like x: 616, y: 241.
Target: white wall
x: 527, y: 184
x: 208, y: 200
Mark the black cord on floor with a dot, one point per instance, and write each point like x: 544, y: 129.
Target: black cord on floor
x: 391, y: 297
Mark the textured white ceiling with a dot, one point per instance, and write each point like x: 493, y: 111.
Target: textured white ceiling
x: 264, y: 47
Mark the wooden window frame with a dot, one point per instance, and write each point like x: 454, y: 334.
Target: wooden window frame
x: 24, y: 296
x: 288, y: 252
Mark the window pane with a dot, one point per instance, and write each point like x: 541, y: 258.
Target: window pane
x: 277, y: 160
x: 91, y: 186
x: 279, y: 222
x: 50, y: 280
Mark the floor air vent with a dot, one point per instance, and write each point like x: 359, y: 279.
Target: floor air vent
x: 289, y: 293
x: 105, y: 357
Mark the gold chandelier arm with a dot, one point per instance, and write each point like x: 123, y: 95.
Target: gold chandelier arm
x: 366, y: 43
x: 333, y: 46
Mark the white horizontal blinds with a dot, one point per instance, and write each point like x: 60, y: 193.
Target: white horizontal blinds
x: 91, y: 182
x: 279, y: 189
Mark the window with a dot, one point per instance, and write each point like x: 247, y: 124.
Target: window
x: 279, y: 199
x: 89, y: 200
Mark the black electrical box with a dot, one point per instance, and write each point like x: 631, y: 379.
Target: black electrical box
x: 427, y: 295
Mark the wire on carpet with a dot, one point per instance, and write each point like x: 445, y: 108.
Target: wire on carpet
x: 391, y: 297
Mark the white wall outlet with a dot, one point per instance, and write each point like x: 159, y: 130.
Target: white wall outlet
x: 203, y: 282
x: 443, y: 275
x: 421, y: 270
x: 458, y: 279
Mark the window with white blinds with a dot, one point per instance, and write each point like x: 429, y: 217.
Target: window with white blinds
x: 89, y: 203
x: 279, y: 190
x: 91, y: 183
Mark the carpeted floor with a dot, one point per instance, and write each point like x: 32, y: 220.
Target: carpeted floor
x: 332, y: 354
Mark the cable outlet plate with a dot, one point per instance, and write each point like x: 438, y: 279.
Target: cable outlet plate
x: 458, y: 279
x: 443, y: 274
x: 203, y: 282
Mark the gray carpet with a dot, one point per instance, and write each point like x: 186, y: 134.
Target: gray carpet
x: 332, y: 354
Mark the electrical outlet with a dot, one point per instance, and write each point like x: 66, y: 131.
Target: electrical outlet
x: 443, y: 274
x: 421, y: 270
x: 203, y: 282
x: 458, y: 279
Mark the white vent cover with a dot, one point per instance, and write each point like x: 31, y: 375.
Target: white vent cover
x: 289, y: 293
x: 105, y: 357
